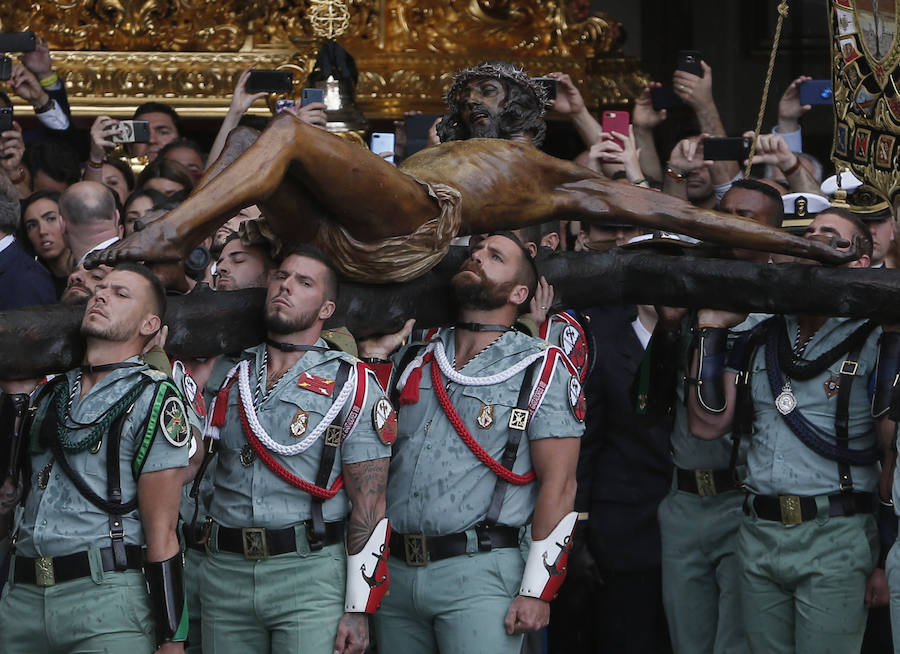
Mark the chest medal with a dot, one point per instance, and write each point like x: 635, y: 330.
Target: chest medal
x: 485, y: 418
x: 786, y: 402
x: 299, y: 424
x: 832, y: 385
x: 248, y: 455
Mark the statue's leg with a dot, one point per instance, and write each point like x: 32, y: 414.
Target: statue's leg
x: 369, y: 197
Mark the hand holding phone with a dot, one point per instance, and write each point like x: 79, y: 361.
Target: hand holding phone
x: 270, y: 81
x: 132, y: 131
x: 689, y: 62
x: 308, y: 96
x: 616, y: 121
x: 736, y: 148
x: 382, y: 142
x: 816, y: 92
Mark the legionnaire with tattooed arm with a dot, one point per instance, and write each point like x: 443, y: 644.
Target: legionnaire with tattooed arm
x: 488, y: 437
x: 813, y: 392
x: 99, y: 455
x: 302, y: 433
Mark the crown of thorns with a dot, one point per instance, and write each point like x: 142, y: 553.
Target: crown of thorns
x: 498, y: 70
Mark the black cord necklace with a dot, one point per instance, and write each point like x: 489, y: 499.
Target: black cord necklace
x: 791, y: 360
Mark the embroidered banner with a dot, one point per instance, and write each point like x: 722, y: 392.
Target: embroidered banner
x: 866, y: 82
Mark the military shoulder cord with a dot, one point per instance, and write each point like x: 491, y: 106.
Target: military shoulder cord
x: 102, y: 425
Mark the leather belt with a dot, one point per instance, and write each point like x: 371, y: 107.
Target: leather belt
x: 794, y: 509
x: 48, y: 570
x: 189, y: 540
x: 257, y: 543
x: 705, y: 483
x: 419, y: 549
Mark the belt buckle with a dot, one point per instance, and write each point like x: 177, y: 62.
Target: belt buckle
x: 849, y: 367
x: 256, y: 547
x: 44, y: 575
x: 791, y: 513
x: 706, y: 483
x: 414, y: 549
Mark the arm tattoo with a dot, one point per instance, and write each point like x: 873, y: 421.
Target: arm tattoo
x: 365, y: 483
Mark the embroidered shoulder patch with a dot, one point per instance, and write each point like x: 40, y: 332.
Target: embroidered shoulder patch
x: 385, y: 420
x: 576, y: 399
x: 175, y: 423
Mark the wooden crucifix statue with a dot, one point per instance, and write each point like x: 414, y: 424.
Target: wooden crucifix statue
x: 381, y: 223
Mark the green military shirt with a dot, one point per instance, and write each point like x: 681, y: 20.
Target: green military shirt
x: 57, y: 520
x: 254, y: 496
x: 436, y: 484
x: 778, y: 462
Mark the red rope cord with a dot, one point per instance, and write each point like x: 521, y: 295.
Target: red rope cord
x: 467, y: 438
x: 274, y: 466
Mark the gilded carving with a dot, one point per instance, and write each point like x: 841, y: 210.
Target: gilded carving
x: 114, y: 54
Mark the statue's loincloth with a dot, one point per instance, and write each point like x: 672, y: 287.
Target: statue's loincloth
x: 398, y: 258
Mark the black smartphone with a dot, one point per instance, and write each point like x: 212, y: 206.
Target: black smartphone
x: 729, y: 148
x: 550, y: 85
x: 6, y: 119
x: 133, y: 131
x: 689, y: 62
x: 17, y: 42
x: 816, y: 91
x: 308, y: 96
x: 270, y: 81
x: 417, y: 127
x: 663, y: 97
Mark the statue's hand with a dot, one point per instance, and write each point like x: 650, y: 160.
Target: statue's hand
x: 830, y: 249
x: 381, y: 347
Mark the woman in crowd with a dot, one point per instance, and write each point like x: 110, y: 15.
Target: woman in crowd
x: 42, y: 231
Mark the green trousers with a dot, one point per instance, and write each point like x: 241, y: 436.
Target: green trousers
x: 700, y: 572
x: 803, y: 586
x: 892, y: 568
x: 107, y: 613
x: 192, y: 562
x: 286, y: 604
x: 452, y: 606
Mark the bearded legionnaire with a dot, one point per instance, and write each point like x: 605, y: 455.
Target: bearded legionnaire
x: 302, y: 433
x: 808, y: 544
x: 487, y: 445
x: 96, y: 563
x: 379, y: 223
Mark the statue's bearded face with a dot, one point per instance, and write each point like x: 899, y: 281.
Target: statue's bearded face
x: 481, y: 101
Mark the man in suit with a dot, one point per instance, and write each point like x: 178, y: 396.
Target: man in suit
x: 623, y: 473
x: 23, y: 281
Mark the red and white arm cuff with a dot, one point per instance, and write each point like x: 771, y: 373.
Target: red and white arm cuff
x: 545, y: 568
x: 367, y: 572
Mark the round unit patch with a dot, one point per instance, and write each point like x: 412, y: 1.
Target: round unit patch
x: 385, y: 420
x: 174, y: 422
x: 576, y: 399
x: 574, y: 346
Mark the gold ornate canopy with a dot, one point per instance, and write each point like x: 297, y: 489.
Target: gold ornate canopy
x: 115, y: 54
x: 866, y: 83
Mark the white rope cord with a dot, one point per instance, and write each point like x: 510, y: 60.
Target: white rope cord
x: 246, y: 398
x: 464, y: 380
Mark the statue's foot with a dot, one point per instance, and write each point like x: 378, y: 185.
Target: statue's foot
x: 155, y: 242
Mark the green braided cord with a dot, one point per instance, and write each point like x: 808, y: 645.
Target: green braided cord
x: 60, y: 397
x: 150, y: 433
